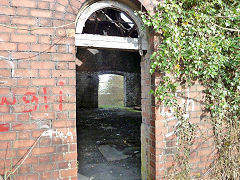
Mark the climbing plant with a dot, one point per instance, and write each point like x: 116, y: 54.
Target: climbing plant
x: 199, y: 42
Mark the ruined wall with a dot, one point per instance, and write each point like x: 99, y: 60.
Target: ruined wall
x: 132, y: 83
x: 95, y: 62
x: 38, y: 96
x: 37, y: 89
x: 87, y: 90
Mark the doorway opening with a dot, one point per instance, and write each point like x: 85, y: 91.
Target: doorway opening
x: 110, y: 91
x: 109, y: 43
x: 108, y: 115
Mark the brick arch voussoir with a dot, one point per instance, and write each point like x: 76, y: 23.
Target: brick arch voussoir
x: 145, y: 5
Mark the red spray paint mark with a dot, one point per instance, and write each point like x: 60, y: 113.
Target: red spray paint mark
x: 4, y: 127
x: 34, y: 99
x: 60, y: 97
x: 61, y: 83
x: 5, y: 101
x: 17, y: 125
x: 45, y: 98
x: 60, y: 101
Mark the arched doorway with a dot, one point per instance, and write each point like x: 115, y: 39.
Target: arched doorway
x: 109, y: 31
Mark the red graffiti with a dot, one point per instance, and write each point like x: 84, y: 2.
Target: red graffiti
x: 34, y: 99
x: 5, y: 101
x: 30, y: 97
x: 45, y: 98
x: 60, y: 97
x: 60, y: 101
x: 4, y: 127
x: 17, y: 125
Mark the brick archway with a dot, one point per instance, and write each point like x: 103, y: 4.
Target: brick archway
x: 147, y: 141
x: 38, y: 88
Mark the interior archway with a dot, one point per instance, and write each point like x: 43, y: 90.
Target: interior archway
x: 110, y: 90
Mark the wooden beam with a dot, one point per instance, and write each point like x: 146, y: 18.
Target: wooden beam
x: 111, y: 42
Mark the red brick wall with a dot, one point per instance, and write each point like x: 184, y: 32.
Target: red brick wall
x: 38, y: 94
x: 159, y: 123
x: 37, y: 89
x: 203, y: 147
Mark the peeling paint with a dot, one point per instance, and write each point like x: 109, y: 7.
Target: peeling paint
x: 50, y: 133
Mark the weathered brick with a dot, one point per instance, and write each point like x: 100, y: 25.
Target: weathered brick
x: 4, y: 37
x: 43, y: 150
x: 7, y: 11
x: 7, y: 82
x: 44, y: 40
x: 45, y: 22
x: 4, y: 109
x: 4, y: 19
x: 60, y: 8
x: 43, y: 47
x: 29, y: 176
x: 43, y: 65
x: 24, y: 169
x: 7, y: 117
x: 23, y: 117
x: 45, y: 73
x: 44, y: 32
x: 4, y: 2
x: 24, y: 21
x: 23, y: 3
x: 45, y: 167
x: 24, y: 82
x: 23, y: 46
x: 64, y: 123
x: 42, y: 115
x: 40, y: 13
x: 5, y: 73
x: 63, y: 73
x: 23, y: 143
x: 9, y: 154
x: 62, y: 65
x: 68, y: 172
x: 24, y: 136
x: 23, y: 38
x: 63, y: 57
x: 8, y: 46
x: 43, y: 82
x: 4, y: 91
x: 8, y: 136
x: 25, y: 73
x: 22, y: 11
x: 24, y: 127
x: 43, y: 5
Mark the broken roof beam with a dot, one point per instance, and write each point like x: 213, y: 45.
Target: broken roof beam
x: 110, y: 42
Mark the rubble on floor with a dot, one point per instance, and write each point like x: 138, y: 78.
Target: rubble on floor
x: 109, y: 144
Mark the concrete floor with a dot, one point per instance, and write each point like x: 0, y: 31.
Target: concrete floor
x: 109, y: 144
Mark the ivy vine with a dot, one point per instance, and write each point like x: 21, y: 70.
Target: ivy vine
x: 200, y: 43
